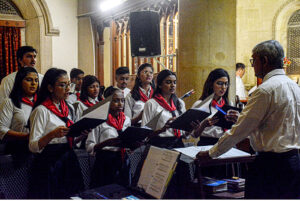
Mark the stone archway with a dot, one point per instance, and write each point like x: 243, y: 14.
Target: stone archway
x: 280, y: 21
x: 39, y: 30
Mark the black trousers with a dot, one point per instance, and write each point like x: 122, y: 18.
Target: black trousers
x: 274, y: 176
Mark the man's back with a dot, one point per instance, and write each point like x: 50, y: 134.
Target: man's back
x: 280, y: 113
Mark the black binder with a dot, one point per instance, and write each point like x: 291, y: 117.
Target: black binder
x: 84, y: 124
x: 223, y: 123
x: 183, y: 121
x: 131, y: 135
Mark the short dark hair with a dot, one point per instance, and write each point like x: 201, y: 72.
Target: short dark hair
x: 23, y: 50
x: 239, y: 66
x: 75, y: 72
x: 109, y: 91
x: 122, y: 70
x: 16, y: 93
x: 272, y: 50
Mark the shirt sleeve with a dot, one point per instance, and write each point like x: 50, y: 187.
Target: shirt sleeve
x: 92, y: 140
x: 149, y: 113
x: 128, y: 106
x: 5, y: 88
x: 248, y: 121
x: 38, y: 123
x: 6, y: 116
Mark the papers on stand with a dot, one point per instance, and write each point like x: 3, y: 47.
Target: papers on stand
x: 157, y: 171
x: 193, y: 150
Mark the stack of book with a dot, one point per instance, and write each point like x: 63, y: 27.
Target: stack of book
x: 213, y: 185
x: 235, y: 184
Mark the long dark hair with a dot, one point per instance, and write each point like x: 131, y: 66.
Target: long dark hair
x: 87, y: 81
x: 135, y: 90
x: 208, y: 88
x: 17, y: 92
x: 51, y: 76
x: 160, y: 78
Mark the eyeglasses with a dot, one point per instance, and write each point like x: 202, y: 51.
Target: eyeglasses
x: 220, y: 83
x: 64, y: 85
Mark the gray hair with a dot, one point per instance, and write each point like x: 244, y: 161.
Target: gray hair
x: 272, y: 50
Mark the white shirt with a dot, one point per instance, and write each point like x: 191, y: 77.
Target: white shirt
x: 132, y: 107
x: 72, y: 97
x: 42, y: 122
x: 153, y: 108
x: 271, y: 118
x: 104, y: 132
x: 13, y: 118
x: 7, y: 84
x: 240, y: 88
x: 125, y: 91
x: 211, y: 131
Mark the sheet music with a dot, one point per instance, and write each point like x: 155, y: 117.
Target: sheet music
x: 193, y: 150
x: 156, y: 170
x: 161, y: 173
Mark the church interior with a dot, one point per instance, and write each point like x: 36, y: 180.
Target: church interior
x: 196, y: 37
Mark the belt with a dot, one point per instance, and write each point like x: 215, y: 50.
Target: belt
x: 283, y: 154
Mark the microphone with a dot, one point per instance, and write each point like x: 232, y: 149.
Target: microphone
x: 188, y: 94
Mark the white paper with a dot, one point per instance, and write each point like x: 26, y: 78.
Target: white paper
x: 157, y: 167
x: 205, y: 105
x: 194, y: 150
x: 99, y: 113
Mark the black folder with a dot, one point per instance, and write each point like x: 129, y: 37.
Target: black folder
x: 84, y: 124
x: 222, y: 121
x: 183, y: 121
x: 133, y: 134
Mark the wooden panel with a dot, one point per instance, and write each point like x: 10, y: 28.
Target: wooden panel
x: 11, y: 23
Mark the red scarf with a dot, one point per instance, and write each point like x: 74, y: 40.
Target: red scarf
x: 214, y: 103
x: 145, y: 98
x: 78, y: 95
x: 117, y: 123
x: 171, y: 108
x: 27, y: 101
x: 88, y: 103
x: 63, y: 114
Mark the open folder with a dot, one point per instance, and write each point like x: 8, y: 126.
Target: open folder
x: 133, y: 134
x: 183, y: 121
x: 92, y: 117
x: 220, y: 114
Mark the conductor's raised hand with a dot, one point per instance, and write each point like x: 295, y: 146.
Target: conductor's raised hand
x: 60, y: 131
x: 232, y: 115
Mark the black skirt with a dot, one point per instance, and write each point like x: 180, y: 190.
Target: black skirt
x: 55, y: 173
x: 109, y: 168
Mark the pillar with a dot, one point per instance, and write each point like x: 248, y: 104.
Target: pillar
x: 207, y: 40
